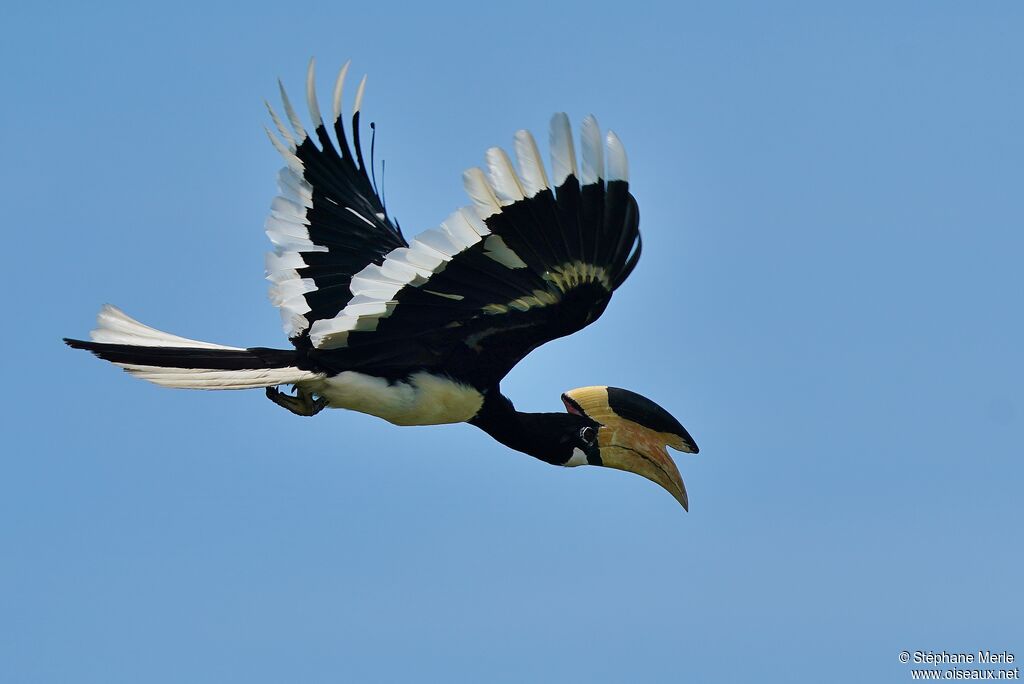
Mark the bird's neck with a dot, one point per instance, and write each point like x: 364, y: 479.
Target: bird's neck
x: 540, y: 435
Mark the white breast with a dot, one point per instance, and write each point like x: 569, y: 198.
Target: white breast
x: 425, y: 399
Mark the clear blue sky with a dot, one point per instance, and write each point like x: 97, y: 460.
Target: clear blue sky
x: 829, y: 299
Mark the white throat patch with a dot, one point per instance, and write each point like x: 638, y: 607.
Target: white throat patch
x: 578, y: 458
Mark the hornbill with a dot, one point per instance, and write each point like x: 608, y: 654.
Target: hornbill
x: 422, y: 332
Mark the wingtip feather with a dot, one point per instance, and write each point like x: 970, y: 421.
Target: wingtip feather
x: 563, y: 154
x: 339, y: 86
x: 359, y: 96
x: 592, y: 170
x: 311, y: 100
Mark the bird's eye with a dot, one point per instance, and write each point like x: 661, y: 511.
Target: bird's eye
x: 587, y: 434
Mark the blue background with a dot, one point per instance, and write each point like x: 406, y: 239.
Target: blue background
x: 830, y: 300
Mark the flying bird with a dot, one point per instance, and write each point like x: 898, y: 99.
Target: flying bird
x: 423, y: 332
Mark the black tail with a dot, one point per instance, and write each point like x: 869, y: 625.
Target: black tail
x: 174, y: 361
x: 185, y: 357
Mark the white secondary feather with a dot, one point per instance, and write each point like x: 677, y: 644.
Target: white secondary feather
x: 375, y: 287
x: 592, y: 169
x: 114, y: 326
x: 531, y: 168
x: 563, y: 155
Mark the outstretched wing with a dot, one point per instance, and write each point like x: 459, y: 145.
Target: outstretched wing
x: 328, y: 223
x: 529, y: 261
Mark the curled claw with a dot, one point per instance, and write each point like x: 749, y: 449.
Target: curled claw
x: 302, y: 404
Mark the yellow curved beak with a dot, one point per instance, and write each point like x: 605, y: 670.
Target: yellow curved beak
x: 638, y: 450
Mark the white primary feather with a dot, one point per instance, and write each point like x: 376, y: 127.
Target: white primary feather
x: 420, y: 251
x: 592, y: 151
x: 402, y: 271
x: 285, y: 133
x: 531, y: 168
x: 296, y: 306
x: 289, y: 237
x: 288, y: 289
x: 288, y: 231
x: 294, y: 163
x: 314, y: 106
x: 374, y: 289
x: 459, y: 230
x: 281, y: 267
x: 359, y: 96
x: 439, y: 242
x: 289, y: 111
x: 293, y: 322
x: 295, y: 188
x: 563, y: 154
x: 480, y: 191
x: 474, y: 221
x: 618, y: 163
x: 333, y: 333
x: 368, y: 308
x: 288, y: 210
x: 339, y: 86
x: 428, y: 261
x: 374, y: 273
x: 503, y: 177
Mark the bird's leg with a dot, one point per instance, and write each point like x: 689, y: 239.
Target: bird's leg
x: 302, y: 404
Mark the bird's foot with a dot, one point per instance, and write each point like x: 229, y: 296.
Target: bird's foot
x: 302, y: 404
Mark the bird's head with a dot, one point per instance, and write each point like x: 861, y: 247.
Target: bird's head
x: 628, y: 432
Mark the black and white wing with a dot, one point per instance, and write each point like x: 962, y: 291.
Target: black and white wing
x: 328, y: 223
x: 529, y: 261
